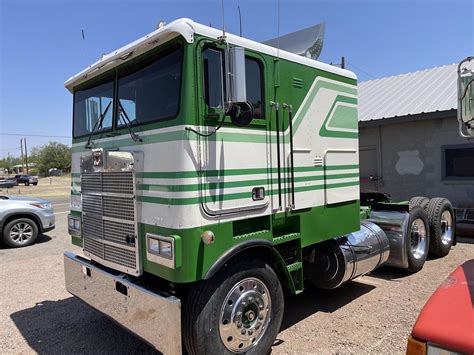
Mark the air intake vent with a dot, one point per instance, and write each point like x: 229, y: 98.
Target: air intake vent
x: 297, y: 83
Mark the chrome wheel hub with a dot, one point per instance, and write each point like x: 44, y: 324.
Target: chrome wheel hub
x: 446, y: 228
x: 245, y: 315
x: 21, y: 233
x: 418, y: 238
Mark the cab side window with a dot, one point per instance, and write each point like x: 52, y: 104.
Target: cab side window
x: 213, y: 67
x: 214, y: 88
x: 254, y: 86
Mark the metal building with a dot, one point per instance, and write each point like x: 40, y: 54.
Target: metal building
x: 409, y: 141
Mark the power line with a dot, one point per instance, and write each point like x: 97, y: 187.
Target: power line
x: 361, y: 70
x: 32, y: 135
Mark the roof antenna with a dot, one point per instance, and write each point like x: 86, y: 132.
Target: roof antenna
x: 278, y: 29
x: 83, y: 36
x: 240, y: 21
x: 223, y: 21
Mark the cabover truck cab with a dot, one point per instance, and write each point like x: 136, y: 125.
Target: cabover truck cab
x: 211, y: 174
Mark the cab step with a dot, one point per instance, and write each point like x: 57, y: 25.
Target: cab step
x: 295, y: 266
x: 286, y: 238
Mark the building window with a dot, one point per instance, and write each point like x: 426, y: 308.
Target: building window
x: 458, y: 162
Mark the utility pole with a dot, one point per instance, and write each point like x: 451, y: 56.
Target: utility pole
x: 343, y: 62
x: 22, y: 158
x: 26, y: 157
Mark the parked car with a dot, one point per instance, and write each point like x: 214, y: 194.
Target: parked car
x: 8, y: 183
x: 445, y: 324
x: 26, y: 179
x: 23, y: 218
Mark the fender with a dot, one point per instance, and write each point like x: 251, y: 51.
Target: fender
x: 250, y: 244
x: 286, y: 278
x: 20, y: 215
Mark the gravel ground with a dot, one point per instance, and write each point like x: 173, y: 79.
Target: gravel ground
x: 371, y: 315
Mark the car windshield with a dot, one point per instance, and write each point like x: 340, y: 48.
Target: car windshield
x: 147, y: 91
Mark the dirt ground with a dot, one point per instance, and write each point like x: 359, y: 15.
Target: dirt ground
x: 373, y: 314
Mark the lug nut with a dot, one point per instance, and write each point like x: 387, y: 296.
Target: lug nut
x: 257, y: 326
x: 260, y: 316
x: 242, y: 332
x: 260, y: 306
x: 250, y: 332
x: 239, y: 325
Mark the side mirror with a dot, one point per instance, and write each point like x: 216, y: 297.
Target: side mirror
x: 236, y: 76
x: 466, y: 98
x: 240, y: 110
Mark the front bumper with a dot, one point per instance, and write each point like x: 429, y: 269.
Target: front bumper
x: 47, y: 218
x: 154, y: 317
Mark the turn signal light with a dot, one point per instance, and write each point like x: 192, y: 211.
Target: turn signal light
x: 415, y: 347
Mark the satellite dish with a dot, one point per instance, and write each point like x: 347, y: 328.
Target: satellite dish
x: 307, y: 42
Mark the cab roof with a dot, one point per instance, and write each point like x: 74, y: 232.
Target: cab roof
x: 187, y: 28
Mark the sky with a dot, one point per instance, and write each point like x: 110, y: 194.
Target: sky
x: 41, y: 44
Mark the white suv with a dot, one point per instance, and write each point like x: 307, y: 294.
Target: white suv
x: 22, y: 218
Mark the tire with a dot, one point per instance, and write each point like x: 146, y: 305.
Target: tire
x: 419, y: 201
x: 35, y: 183
x: 442, y: 224
x: 27, y: 183
x: 27, y: 237
x: 417, y: 239
x: 208, y: 327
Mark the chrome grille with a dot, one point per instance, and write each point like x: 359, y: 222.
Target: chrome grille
x: 109, y: 221
x: 119, y: 207
x: 118, y: 182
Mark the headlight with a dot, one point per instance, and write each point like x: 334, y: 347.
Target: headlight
x: 166, y: 249
x: 74, y: 225
x: 160, y: 250
x: 42, y: 205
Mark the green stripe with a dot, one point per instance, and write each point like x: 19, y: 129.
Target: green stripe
x: 319, y: 85
x: 324, y: 132
x: 231, y: 184
x: 233, y: 172
x: 236, y: 196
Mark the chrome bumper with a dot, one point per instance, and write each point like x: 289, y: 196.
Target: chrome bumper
x: 153, y: 317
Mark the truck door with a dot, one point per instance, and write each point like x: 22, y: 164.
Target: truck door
x: 234, y: 172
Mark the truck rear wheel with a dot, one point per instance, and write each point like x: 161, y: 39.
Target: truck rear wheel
x: 442, y: 226
x: 239, y: 310
x: 419, y: 201
x: 418, y: 239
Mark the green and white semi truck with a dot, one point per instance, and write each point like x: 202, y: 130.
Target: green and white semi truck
x: 211, y: 174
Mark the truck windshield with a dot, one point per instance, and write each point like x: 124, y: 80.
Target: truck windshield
x: 150, y: 91
x: 89, y: 105
x: 147, y: 91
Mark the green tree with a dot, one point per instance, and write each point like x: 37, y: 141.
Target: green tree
x: 52, y: 155
x: 8, y: 162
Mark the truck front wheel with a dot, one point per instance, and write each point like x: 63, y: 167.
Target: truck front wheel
x: 239, y: 310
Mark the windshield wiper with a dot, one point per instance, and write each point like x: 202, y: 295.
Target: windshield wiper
x: 97, y: 124
x: 127, y: 122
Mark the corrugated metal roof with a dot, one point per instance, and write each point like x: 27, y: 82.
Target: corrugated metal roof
x: 423, y: 91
